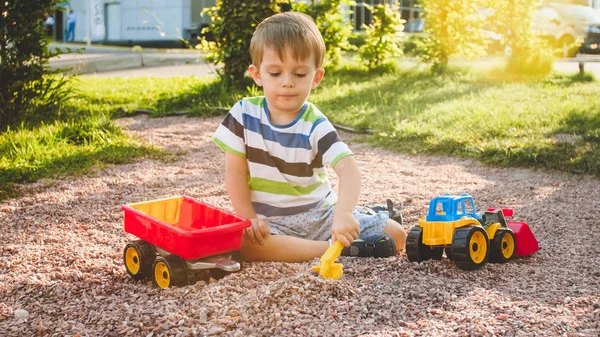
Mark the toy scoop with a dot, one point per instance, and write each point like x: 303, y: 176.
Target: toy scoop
x: 329, y: 269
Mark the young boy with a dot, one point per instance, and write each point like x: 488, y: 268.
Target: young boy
x: 277, y: 147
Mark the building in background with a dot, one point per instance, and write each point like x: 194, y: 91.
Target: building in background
x: 158, y: 23
x: 165, y: 23
x: 410, y: 10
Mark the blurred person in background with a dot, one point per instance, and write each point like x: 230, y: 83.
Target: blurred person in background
x: 71, y: 30
x: 50, y: 26
x: 415, y: 25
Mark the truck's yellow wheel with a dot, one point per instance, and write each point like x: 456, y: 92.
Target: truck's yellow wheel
x: 138, y: 257
x: 503, y: 246
x: 478, y: 246
x: 470, y: 247
x: 169, y: 271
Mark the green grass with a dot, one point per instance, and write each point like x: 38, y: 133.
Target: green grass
x: 485, y: 115
x: 477, y: 112
x: 161, y: 96
x: 64, y: 148
x: 82, y: 136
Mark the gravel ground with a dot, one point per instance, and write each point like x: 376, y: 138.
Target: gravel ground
x: 61, y: 270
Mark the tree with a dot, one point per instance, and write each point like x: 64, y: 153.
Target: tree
x: 454, y: 28
x: 26, y: 93
x: 527, y: 52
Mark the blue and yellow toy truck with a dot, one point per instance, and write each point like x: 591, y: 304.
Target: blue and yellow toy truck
x: 453, y: 225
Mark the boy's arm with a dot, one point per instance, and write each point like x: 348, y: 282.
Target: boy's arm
x: 236, y: 183
x: 345, y: 227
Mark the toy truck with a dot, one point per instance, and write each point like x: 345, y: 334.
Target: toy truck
x: 180, y: 237
x: 453, y: 226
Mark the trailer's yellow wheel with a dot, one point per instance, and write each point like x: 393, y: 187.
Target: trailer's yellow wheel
x: 138, y: 257
x: 162, y: 275
x: 132, y: 260
x: 503, y: 246
x: 169, y: 271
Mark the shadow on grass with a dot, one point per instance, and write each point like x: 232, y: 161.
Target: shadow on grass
x: 203, y: 100
x: 577, y: 142
x: 393, y: 97
x: 585, y: 123
x: 578, y: 157
x: 195, y: 98
x: 418, y: 143
x: 575, y: 157
x: 74, y: 164
x: 568, y: 80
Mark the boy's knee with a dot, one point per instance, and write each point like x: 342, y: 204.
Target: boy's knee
x: 397, y: 232
x: 249, y: 250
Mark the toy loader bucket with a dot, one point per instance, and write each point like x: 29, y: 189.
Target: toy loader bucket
x: 526, y: 243
x: 329, y: 269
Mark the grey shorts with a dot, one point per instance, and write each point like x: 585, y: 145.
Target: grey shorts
x: 316, y: 223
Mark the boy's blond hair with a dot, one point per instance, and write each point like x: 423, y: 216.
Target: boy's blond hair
x: 293, y: 30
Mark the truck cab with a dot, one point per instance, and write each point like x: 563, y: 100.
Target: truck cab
x: 451, y: 208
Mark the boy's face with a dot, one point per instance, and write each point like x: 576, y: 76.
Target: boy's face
x: 286, y: 84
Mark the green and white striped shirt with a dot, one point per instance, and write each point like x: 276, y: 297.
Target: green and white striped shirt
x: 286, y: 162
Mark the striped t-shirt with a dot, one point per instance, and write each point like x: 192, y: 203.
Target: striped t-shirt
x: 286, y: 162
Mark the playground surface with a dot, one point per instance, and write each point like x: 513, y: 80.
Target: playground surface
x: 62, y: 273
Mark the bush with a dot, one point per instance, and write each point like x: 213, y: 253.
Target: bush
x: 357, y: 39
x: 26, y: 93
x: 233, y: 23
x: 414, y: 44
x: 331, y: 23
x: 382, y: 41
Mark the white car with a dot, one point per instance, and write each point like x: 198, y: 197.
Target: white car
x: 578, y: 23
x: 550, y: 25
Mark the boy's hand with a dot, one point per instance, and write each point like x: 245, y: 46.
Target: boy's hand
x: 258, y: 231
x: 345, y: 228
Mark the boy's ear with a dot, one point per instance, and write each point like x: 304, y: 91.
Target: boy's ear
x: 318, y: 77
x: 255, y: 74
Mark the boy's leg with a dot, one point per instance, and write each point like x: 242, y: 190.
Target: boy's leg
x: 283, y: 248
x: 373, y: 224
x: 395, y: 230
x: 71, y: 32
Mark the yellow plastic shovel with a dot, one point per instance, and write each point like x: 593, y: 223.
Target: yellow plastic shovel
x: 329, y: 269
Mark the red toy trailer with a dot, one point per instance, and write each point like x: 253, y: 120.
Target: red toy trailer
x: 179, y: 236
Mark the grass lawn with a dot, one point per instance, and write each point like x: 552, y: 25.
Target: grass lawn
x: 551, y: 122
x: 65, y: 148
x: 123, y: 96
